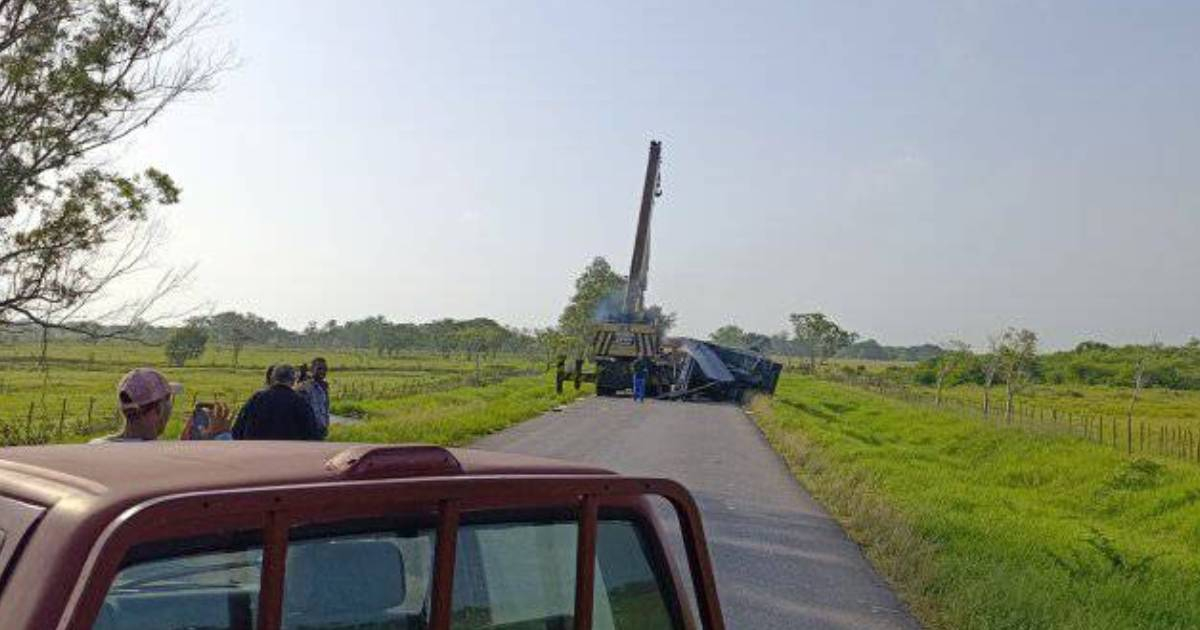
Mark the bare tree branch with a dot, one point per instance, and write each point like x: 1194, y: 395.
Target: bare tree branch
x: 77, y: 76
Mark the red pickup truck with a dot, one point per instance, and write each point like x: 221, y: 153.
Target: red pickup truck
x: 242, y: 535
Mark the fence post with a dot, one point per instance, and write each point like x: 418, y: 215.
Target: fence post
x: 91, y: 403
x: 62, y: 418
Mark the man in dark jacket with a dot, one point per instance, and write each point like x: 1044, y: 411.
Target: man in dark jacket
x: 278, y: 412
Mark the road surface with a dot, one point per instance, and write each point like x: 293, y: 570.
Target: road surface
x: 781, y: 561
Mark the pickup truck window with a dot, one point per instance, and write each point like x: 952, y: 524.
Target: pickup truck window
x: 521, y: 576
x: 361, y: 580
x: 510, y: 575
x: 215, y: 591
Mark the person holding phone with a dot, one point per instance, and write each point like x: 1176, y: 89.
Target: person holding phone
x: 208, y: 421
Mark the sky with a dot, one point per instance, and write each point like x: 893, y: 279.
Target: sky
x: 918, y: 171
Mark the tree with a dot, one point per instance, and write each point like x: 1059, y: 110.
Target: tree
x: 1139, y: 381
x: 663, y: 322
x: 1017, y: 356
x: 77, y: 76
x: 757, y: 341
x: 235, y: 330
x: 868, y: 349
x: 956, y: 353
x: 599, y: 296
x: 186, y: 343
x: 820, y: 335
x: 991, y: 366
x: 594, y: 291
x: 781, y: 343
x: 728, y: 335
x: 550, y: 343
x: 734, y: 337
x: 1091, y: 346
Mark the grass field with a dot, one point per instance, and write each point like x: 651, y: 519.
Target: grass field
x: 987, y: 527
x: 1164, y: 422
x: 78, y: 388
x: 457, y: 416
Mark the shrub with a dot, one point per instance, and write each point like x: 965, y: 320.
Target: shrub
x: 185, y: 344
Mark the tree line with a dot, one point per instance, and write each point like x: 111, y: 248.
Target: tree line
x: 791, y: 344
x: 1011, y: 358
x: 468, y: 338
x: 1088, y: 363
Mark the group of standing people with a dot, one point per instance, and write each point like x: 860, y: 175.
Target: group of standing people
x: 292, y: 406
x: 288, y: 408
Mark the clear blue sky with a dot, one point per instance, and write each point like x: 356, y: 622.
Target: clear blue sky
x: 918, y: 171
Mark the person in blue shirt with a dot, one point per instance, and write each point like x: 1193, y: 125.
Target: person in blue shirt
x: 641, y: 374
x: 315, y: 390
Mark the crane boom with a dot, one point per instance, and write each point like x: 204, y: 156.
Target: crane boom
x: 639, y: 266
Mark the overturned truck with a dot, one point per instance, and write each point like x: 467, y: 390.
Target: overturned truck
x: 703, y: 370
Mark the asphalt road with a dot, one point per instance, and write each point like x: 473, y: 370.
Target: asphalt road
x: 781, y: 561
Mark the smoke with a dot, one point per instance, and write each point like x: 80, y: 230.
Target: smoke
x: 611, y: 308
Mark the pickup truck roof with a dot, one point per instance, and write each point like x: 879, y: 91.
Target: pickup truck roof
x: 110, y: 475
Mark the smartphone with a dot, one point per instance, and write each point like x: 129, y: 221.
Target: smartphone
x: 201, y: 418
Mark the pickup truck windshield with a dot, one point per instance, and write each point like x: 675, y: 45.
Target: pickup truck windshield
x: 510, y: 575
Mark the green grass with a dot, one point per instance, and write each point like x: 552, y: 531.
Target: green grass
x: 982, y: 527
x: 457, y: 416
x: 82, y: 377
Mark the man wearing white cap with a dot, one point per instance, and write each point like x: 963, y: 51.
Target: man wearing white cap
x: 146, y: 400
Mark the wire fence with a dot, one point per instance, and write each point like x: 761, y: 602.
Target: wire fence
x: 1127, y: 434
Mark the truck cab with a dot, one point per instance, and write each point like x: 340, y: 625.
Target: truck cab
x: 301, y: 535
